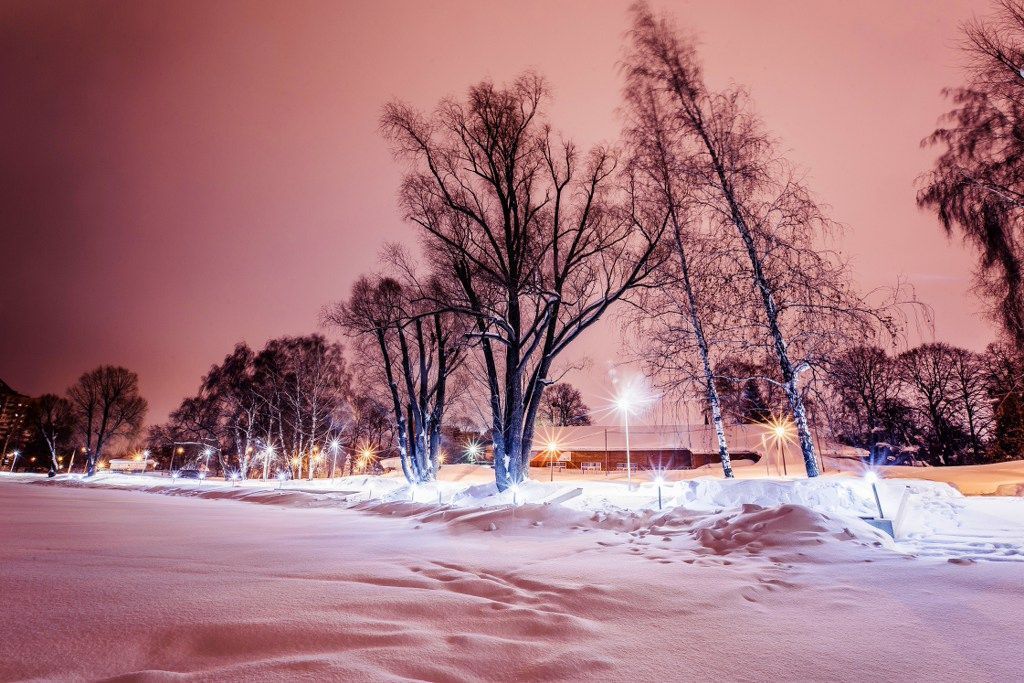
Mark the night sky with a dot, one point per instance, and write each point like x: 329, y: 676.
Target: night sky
x: 180, y: 176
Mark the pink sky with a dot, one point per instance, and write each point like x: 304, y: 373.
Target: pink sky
x: 181, y: 176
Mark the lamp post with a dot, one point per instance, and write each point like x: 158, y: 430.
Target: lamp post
x: 14, y: 458
x: 780, y: 436
x: 625, y: 403
x: 552, y: 449
x: 871, y: 477
x: 335, y: 445
x: 472, y: 451
x: 175, y: 449
x: 779, y: 431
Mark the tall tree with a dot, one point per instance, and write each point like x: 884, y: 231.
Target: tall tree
x: 306, y: 386
x: 241, y: 409
x: 803, y: 305
x: 661, y: 165
x: 53, y: 419
x: 864, y: 401
x: 417, y: 346
x: 927, y: 378
x: 529, y: 229
x: 1005, y: 374
x: 107, y: 406
x: 977, y: 185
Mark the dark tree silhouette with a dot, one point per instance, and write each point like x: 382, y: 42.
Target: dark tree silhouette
x: 1005, y: 375
x: 53, y: 419
x: 977, y: 185
x: 563, y: 406
x: 107, y: 406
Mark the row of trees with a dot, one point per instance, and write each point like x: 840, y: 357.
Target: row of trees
x: 938, y: 403
x: 694, y: 219
x: 261, y: 411
x: 104, y: 407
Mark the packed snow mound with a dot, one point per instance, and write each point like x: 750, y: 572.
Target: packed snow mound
x: 1010, y: 489
x: 754, y: 529
x: 834, y: 495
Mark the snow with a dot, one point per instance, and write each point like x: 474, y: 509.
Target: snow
x: 365, y: 580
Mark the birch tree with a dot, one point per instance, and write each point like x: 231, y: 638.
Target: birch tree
x: 676, y: 308
x: 53, y: 419
x: 801, y: 303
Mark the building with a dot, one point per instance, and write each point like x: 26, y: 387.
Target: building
x: 677, y: 447
x: 13, y: 427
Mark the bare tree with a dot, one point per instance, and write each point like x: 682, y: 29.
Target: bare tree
x: 305, y: 384
x: 1005, y: 375
x: 241, y: 410
x: 970, y: 399
x: 562, y: 406
x: 977, y: 184
x: 417, y: 347
x: 661, y: 163
x: 803, y: 306
x: 107, y: 406
x: 53, y: 419
x: 865, y: 404
x: 530, y: 231
x: 928, y: 382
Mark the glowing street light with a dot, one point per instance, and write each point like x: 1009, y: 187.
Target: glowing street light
x: 552, y: 450
x: 14, y: 458
x: 366, y: 457
x: 628, y: 401
x: 334, y: 447
x: 268, y: 455
x: 780, y: 431
x: 472, y: 451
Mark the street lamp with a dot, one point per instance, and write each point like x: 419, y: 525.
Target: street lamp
x: 779, y: 431
x: 366, y: 455
x: 14, y: 458
x: 552, y: 449
x: 335, y: 446
x: 472, y: 451
x: 871, y: 477
x: 179, y: 450
x: 627, y: 402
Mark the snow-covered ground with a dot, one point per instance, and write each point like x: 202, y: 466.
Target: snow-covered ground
x: 367, y: 579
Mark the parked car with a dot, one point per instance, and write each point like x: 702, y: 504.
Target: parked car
x: 189, y: 474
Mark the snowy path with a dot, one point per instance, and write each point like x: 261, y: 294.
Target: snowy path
x: 965, y: 529
x: 99, y: 582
